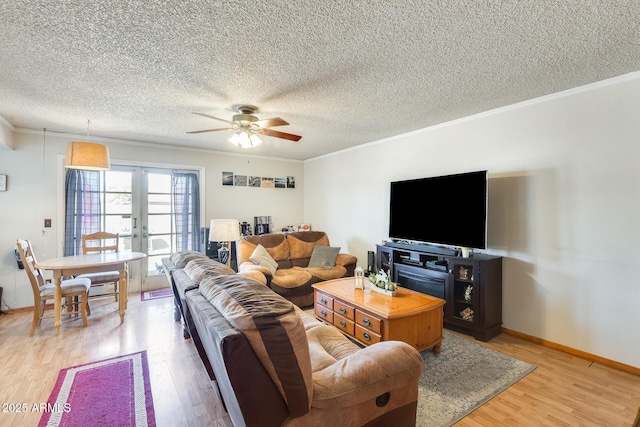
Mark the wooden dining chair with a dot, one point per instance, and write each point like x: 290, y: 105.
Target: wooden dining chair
x: 102, y: 242
x: 74, y: 291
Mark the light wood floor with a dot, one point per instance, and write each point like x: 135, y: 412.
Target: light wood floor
x: 564, y: 390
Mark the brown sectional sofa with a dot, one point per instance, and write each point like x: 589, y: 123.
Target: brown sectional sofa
x: 178, y: 262
x: 275, y: 365
x: 292, y: 253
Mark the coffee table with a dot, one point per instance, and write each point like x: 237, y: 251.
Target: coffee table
x: 370, y: 317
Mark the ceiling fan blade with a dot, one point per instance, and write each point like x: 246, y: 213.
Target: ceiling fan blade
x: 214, y: 118
x: 209, y: 130
x: 283, y: 135
x: 269, y: 123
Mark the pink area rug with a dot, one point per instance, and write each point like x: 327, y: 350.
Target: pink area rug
x: 111, y: 392
x: 155, y: 294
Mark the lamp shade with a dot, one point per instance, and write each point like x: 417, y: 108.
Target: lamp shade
x: 87, y: 156
x: 224, y: 230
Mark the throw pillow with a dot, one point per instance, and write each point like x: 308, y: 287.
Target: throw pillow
x: 324, y: 256
x: 261, y: 257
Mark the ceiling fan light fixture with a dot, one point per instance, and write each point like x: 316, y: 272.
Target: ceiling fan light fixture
x: 246, y: 127
x: 255, y: 141
x: 245, y: 139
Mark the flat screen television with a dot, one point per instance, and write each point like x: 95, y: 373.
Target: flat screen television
x: 447, y: 210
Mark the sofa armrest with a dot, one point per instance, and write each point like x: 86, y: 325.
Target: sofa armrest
x: 347, y: 261
x: 366, y: 374
x: 168, y: 267
x: 256, y: 275
x: 249, y: 267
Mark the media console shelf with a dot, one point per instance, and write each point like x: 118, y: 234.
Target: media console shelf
x: 471, y: 287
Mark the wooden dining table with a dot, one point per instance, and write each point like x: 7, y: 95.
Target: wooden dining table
x: 89, y: 263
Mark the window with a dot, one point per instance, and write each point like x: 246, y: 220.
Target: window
x: 155, y: 211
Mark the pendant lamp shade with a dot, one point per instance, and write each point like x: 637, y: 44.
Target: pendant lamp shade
x: 87, y: 156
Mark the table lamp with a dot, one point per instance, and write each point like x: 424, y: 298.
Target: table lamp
x: 224, y: 231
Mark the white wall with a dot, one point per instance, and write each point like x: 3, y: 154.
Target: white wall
x: 564, y: 207
x: 6, y: 134
x: 36, y: 191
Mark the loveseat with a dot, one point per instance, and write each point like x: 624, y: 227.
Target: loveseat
x: 276, y: 365
x: 293, y: 262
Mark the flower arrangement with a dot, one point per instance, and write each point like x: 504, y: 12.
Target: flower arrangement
x: 382, y: 280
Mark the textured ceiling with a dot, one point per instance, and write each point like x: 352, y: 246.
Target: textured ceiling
x: 341, y: 72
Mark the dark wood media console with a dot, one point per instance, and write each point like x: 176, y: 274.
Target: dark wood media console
x: 471, y: 287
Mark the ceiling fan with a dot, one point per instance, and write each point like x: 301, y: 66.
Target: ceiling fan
x: 246, y: 127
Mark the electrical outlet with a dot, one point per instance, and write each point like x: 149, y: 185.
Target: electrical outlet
x: 47, y: 223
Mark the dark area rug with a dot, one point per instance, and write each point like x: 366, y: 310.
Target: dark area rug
x: 461, y: 378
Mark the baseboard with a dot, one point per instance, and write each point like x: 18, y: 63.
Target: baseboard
x: 49, y: 306
x: 21, y: 309
x: 608, y: 362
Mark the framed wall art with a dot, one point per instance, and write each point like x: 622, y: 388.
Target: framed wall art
x: 231, y: 179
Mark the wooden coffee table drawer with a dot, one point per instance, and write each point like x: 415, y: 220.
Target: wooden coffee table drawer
x: 343, y: 309
x: 370, y: 317
x: 366, y: 335
x: 323, y: 313
x: 324, y: 300
x: 345, y: 325
x: 369, y: 322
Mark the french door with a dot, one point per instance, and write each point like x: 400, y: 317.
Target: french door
x: 137, y: 204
